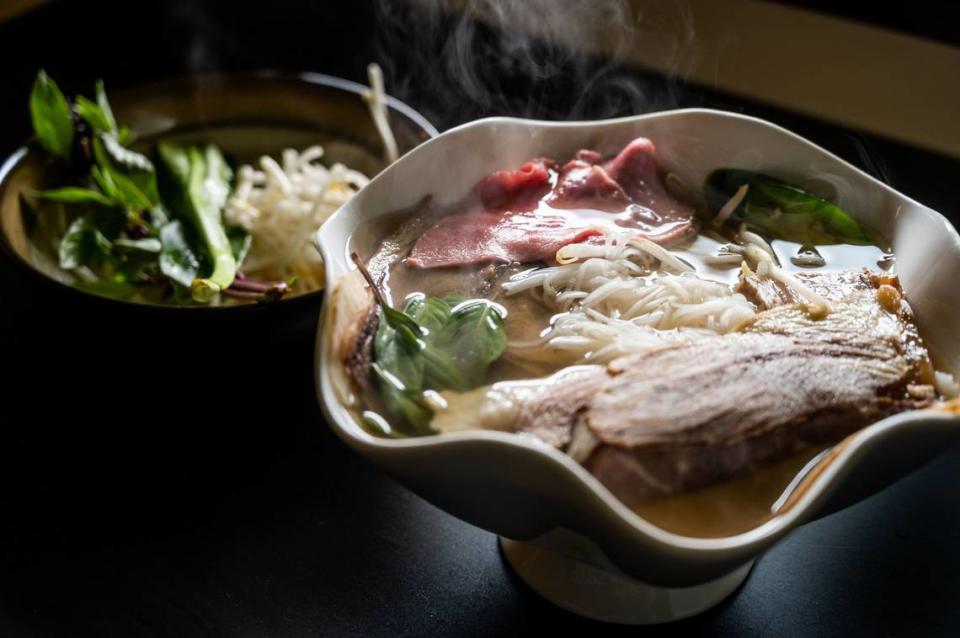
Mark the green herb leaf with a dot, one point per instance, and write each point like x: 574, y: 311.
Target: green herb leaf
x: 400, y: 352
x: 431, y: 313
x: 781, y: 210
x: 407, y: 329
x: 124, y: 156
x: 398, y: 368
x: 195, y: 184
x: 133, y: 188
x: 128, y: 192
x: 441, y: 370
x: 178, y: 260
x: 474, y: 338
x: 104, y: 105
x: 99, y: 114
x: 92, y: 114
x: 403, y: 403
x: 240, y: 241
x: 436, y: 343
x: 76, y: 195
x: 50, y: 113
x: 83, y: 244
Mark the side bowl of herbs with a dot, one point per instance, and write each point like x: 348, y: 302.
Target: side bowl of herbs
x: 162, y: 197
x: 130, y: 401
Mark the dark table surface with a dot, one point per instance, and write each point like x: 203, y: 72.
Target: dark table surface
x: 167, y: 478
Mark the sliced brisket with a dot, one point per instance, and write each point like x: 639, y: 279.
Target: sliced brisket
x: 691, y: 414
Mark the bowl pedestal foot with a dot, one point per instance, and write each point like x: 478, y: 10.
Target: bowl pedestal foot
x: 573, y: 573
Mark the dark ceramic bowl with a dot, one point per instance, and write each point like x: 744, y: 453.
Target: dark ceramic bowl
x: 146, y: 404
x: 247, y: 115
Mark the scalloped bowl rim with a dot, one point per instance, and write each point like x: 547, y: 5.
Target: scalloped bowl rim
x: 765, y: 533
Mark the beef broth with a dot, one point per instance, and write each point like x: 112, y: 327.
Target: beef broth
x: 693, y: 414
x: 701, y: 432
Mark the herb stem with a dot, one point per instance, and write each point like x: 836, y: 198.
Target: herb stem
x: 381, y: 300
x: 252, y: 285
x: 244, y: 287
x: 242, y: 294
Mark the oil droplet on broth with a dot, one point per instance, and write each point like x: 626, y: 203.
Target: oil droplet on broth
x: 808, y: 257
x: 835, y: 257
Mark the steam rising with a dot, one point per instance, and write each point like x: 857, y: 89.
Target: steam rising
x: 536, y: 58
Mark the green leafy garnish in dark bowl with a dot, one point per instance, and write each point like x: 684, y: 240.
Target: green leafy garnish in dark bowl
x: 124, y: 199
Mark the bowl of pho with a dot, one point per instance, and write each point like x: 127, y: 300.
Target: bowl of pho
x: 640, y: 350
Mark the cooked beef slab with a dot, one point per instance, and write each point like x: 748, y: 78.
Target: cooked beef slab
x: 691, y: 414
x: 766, y: 293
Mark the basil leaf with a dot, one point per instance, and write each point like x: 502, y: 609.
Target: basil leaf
x: 441, y: 370
x: 83, y: 244
x: 398, y: 368
x: 104, y: 105
x: 403, y: 403
x: 75, y: 195
x: 436, y: 343
x: 406, y: 328
x: 178, y: 260
x: 97, y: 114
x: 92, y: 114
x: 50, y: 114
x: 399, y: 352
x: 474, y: 338
x: 430, y: 313
x: 240, y: 241
x: 131, y: 193
x: 135, y: 189
x: 124, y: 156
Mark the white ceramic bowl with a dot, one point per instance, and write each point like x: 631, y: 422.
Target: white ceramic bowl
x: 522, y: 490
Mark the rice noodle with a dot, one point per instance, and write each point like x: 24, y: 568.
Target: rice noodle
x: 614, y: 302
x: 665, y: 257
x: 589, y: 336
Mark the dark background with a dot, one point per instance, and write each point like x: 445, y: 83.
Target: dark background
x: 170, y: 477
